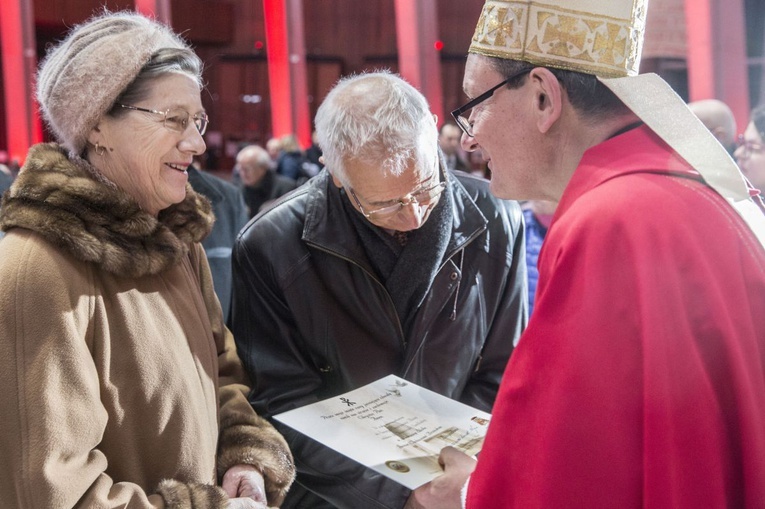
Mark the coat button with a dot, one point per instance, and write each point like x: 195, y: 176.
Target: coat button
x: 454, y: 276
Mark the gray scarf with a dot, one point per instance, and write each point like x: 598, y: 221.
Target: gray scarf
x: 407, y: 271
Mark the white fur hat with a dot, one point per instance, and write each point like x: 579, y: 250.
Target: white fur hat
x: 80, y: 78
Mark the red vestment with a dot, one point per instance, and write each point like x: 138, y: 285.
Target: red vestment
x: 640, y: 381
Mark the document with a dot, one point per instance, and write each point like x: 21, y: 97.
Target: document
x: 394, y: 427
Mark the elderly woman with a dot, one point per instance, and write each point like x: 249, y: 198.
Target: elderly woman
x: 750, y: 154
x: 121, y: 386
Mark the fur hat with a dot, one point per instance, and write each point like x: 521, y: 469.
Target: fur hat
x: 81, y: 77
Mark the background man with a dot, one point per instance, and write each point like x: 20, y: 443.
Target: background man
x: 640, y: 380
x: 383, y: 263
x: 750, y: 154
x: 449, y: 142
x: 230, y: 217
x: 718, y: 118
x: 260, y: 183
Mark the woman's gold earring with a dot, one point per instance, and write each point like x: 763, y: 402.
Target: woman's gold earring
x: 100, y: 150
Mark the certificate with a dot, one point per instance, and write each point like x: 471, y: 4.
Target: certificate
x: 392, y: 426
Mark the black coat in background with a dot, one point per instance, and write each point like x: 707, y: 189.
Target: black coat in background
x: 270, y: 187
x: 230, y: 216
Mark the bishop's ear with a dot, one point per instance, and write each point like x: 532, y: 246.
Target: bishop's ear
x: 548, y: 98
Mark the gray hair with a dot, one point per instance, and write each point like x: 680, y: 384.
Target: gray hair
x: 255, y: 154
x: 375, y: 118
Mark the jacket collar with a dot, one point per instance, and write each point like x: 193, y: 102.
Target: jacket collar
x: 71, y: 206
x: 328, y: 227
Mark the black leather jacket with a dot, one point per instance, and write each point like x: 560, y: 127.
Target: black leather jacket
x: 312, y: 320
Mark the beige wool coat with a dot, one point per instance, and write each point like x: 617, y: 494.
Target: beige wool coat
x: 119, y: 384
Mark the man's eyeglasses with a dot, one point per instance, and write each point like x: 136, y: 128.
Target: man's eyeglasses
x: 749, y: 147
x: 175, y: 119
x: 422, y: 198
x: 462, y: 114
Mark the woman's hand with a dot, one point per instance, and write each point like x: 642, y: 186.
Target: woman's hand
x: 244, y: 482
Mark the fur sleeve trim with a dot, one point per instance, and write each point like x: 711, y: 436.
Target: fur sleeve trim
x: 251, y: 440
x: 178, y: 495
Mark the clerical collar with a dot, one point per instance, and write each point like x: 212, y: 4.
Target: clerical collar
x: 626, y: 128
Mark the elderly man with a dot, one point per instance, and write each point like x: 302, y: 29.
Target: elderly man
x: 383, y: 263
x: 260, y: 183
x: 640, y: 380
x: 718, y: 118
x: 449, y: 143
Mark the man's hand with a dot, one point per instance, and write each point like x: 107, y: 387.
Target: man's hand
x: 444, y: 492
x: 246, y: 483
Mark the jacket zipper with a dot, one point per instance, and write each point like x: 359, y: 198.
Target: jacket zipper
x: 385, y: 290
x: 374, y: 278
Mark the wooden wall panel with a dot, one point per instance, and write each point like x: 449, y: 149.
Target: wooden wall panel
x: 452, y: 70
x: 235, y: 118
x: 59, y: 14
x: 204, y: 21
x: 456, y: 24
x: 238, y: 103
x: 342, y: 37
x: 322, y: 76
x: 350, y: 29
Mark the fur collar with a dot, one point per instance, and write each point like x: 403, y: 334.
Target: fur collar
x: 75, y: 208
